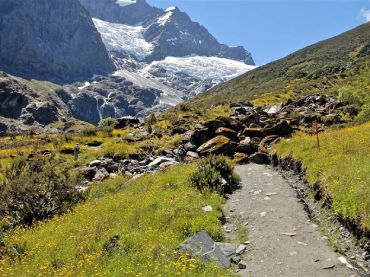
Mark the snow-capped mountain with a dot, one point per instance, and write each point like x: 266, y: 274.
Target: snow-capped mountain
x: 162, y: 49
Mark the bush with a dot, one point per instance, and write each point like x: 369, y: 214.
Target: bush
x: 107, y: 123
x: 215, y: 173
x: 37, y: 190
x: 89, y: 131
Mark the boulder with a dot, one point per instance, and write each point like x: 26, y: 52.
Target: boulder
x: 201, y: 245
x: 241, y: 158
x: 95, y: 163
x: 125, y: 121
x: 247, y: 146
x: 200, y: 136
x: 192, y: 155
x: 217, y: 145
x: 189, y: 146
x: 88, y: 172
x: 101, y: 174
x: 253, y: 118
x: 167, y: 164
x: 231, y: 123
x: 231, y: 134
x: 253, y: 132
x: 267, y: 143
x: 283, y: 128
x: 158, y: 161
x: 259, y: 158
x: 214, y: 124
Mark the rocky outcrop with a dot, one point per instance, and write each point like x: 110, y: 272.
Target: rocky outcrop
x: 249, y: 132
x: 50, y: 40
x: 23, y: 106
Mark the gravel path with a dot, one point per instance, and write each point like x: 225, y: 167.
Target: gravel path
x: 283, y: 241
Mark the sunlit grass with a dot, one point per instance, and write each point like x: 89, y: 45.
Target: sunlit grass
x: 151, y: 215
x: 342, y: 165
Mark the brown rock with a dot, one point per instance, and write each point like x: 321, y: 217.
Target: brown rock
x: 231, y: 134
x: 267, y: 143
x: 217, y: 145
x: 281, y: 129
x: 253, y: 132
x: 241, y: 158
x: 259, y: 158
x: 214, y: 124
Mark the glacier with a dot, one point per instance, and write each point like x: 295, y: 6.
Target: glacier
x: 202, y: 68
x: 124, y: 38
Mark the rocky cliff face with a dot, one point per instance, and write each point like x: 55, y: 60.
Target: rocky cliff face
x: 25, y: 105
x: 50, y: 40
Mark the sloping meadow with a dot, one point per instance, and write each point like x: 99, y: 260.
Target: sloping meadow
x: 126, y: 228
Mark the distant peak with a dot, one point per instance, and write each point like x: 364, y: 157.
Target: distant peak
x: 170, y: 9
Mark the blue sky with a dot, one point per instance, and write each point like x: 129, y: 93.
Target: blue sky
x: 272, y: 29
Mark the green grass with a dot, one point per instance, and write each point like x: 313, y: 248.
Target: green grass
x: 152, y: 215
x: 341, y: 165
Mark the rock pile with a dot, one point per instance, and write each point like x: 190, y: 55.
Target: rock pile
x: 249, y: 131
x: 103, y: 168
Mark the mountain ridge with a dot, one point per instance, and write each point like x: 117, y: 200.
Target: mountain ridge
x: 162, y: 27
x: 319, y: 68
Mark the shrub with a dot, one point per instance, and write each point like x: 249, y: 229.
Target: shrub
x: 215, y: 173
x: 89, y: 131
x: 107, y: 122
x: 37, y: 190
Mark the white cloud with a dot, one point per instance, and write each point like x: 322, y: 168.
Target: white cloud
x: 365, y: 13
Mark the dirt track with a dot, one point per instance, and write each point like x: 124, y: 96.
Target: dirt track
x: 283, y: 241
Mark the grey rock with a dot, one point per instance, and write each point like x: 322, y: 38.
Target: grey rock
x: 158, y: 161
x: 241, y: 249
x: 202, y: 245
x: 242, y: 265
x: 59, y: 41
x: 101, y: 174
x: 95, y: 163
x: 259, y: 158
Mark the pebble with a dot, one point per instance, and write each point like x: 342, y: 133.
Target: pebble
x: 289, y: 234
x: 263, y: 214
x: 242, y: 265
x: 207, y: 208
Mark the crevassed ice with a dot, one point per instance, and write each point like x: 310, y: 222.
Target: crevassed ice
x: 203, y: 68
x: 124, y: 38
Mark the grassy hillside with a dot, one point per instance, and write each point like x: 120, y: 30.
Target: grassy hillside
x: 341, y: 165
x: 151, y: 215
x: 325, y: 67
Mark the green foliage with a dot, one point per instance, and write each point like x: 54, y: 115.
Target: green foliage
x: 215, y: 173
x: 107, y: 123
x: 352, y: 95
x: 89, y: 131
x: 130, y: 229
x: 37, y: 190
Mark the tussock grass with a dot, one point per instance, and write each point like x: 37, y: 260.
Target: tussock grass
x: 151, y: 215
x: 342, y: 165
